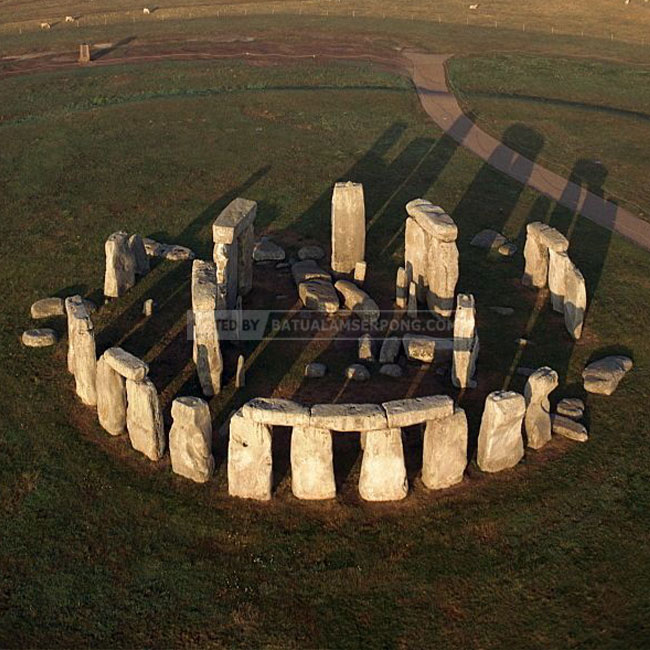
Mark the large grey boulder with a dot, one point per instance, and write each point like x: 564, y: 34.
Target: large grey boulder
x: 47, y: 307
x: 144, y: 421
x: 348, y: 226
x: 312, y: 464
x: 383, y: 472
x: 39, y: 338
x: 140, y: 257
x: 391, y: 370
x: 569, y: 428
x: 358, y: 301
x: 444, y: 453
x: 311, y: 252
x: 603, y: 376
x: 466, y: 342
x: 319, y: 295
x: 538, y: 409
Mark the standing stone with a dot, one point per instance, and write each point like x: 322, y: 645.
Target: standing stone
x: 244, y: 265
x: 466, y: 344
x: 500, y: 443
x: 348, y: 227
x: 225, y: 260
x: 383, y: 472
x: 111, y: 398
x: 412, y: 308
x: 312, y: 463
x: 140, y: 256
x: 190, y: 439
x: 416, y: 246
x: 148, y: 307
x: 443, y: 277
x: 84, y: 53
x: 144, y: 420
x: 558, y: 267
x: 206, y: 348
x: 120, y: 265
x: 82, y: 357
x: 537, y: 420
x: 444, y: 454
x: 401, y: 288
x: 360, y: 269
x: 250, y: 465
x: 575, y: 301
x: 240, y: 375
x: 389, y: 349
x: 366, y: 345
x: 535, y: 256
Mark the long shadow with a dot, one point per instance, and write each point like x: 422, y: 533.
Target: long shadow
x: 102, y: 52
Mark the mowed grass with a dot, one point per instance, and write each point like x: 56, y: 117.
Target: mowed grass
x: 591, y: 119
x: 100, y: 547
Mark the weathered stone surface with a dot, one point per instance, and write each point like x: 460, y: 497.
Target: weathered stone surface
x: 238, y: 215
x: 139, y: 253
x: 312, y: 252
x: 82, y: 357
x: 225, y: 257
x: 575, y: 301
x: 391, y: 370
x: 536, y: 256
x: 358, y: 301
x: 401, y: 288
x: 488, y: 239
x: 419, y: 347
x: 348, y: 226
x: 250, y: 464
x: 442, y: 277
x: 390, y: 349
x: 315, y: 370
x: 433, y: 220
x: 308, y: 270
x: 245, y: 245
x: 152, y: 247
x: 569, y: 428
x: 276, y: 411
x: 120, y: 265
x: 144, y: 420
x: 240, y: 373
x: 603, y: 376
x: 319, y: 295
x: 267, y: 250
x: 39, y: 338
x: 554, y: 240
x: 366, y: 348
x: 383, y: 472
x: 466, y: 342
x: 571, y: 407
x: 176, y: 253
x: 126, y: 364
x: 444, y: 452
x: 348, y: 417
x: 312, y: 464
x: 507, y: 250
x: 416, y: 410
x: 111, y: 398
x: 558, y: 266
x: 190, y: 439
x: 416, y: 258
x: 360, y: 269
x: 537, y: 420
x: 357, y: 372
x: 47, y: 307
x: 412, y: 304
x: 500, y: 441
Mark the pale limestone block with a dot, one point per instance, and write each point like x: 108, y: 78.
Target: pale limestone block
x: 416, y: 256
x: 433, y: 219
x: 401, y: 288
x: 419, y: 347
x: 535, y: 256
x: 47, y: 307
x: 319, y: 295
x: 444, y: 453
x: 383, y: 472
x: 276, y: 411
x: 240, y: 374
x: 126, y: 364
x: 537, y: 420
x: 416, y: 410
x: 119, y: 276
x: 466, y: 343
x: 111, y: 398
x: 190, y: 439
x: 603, y: 376
x: 82, y: 356
x: 575, y: 301
x: 360, y: 269
x: 312, y: 463
x: 348, y: 227
x: 568, y: 428
x: 366, y: 348
x: 442, y: 277
x: 358, y: 301
x: 412, y: 305
x: 39, y: 338
x: 558, y: 267
x: 139, y: 253
x: 236, y: 217
x: 348, y: 417
x: 225, y: 257
x: 144, y: 420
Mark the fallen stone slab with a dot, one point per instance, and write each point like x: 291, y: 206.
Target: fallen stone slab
x: 319, y: 295
x: 401, y: 288
x: 312, y: 464
x: 432, y: 219
x: 315, y: 370
x: 489, y: 239
x: 312, y: 252
x: 416, y: 410
x: 383, y: 471
x: 390, y: 348
x: 111, y: 398
x: 358, y: 301
x: 276, y: 411
x: 357, y: 372
x: 603, y: 376
x: 144, y: 421
x: 569, y: 428
x: 391, y: 370
x: 267, y: 250
x: 444, y: 452
x: 571, y: 407
x: 39, y: 338
x: 176, y: 253
x: 126, y: 364
x: 537, y: 420
x: 308, y: 270
x: 348, y: 417
x: 419, y: 347
x: 47, y: 307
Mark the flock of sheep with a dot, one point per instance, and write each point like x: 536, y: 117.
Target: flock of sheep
x: 71, y: 19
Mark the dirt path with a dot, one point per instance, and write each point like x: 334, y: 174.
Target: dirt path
x: 429, y: 76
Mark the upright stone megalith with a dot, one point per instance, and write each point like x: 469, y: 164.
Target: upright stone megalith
x: 190, y: 439
x: 500, y: 441
x: 348, y: 227
x: 312, y: 463
x: 144, y: 420
x: 540, y: 239
x: 111, y: 398
x: 383, y: 472
x: 444, y: 453
x: 119, y: 276
x: 466, y: 344
x: 82, y: 356
x: 140, y: 257
x: 206, y: 349
x: 250, y: 464
x: 575, y: 301
x: 537, y: 420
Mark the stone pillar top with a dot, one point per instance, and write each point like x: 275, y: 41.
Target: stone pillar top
x: 233, y: 219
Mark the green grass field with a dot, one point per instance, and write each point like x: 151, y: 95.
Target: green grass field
x: 99, y: 547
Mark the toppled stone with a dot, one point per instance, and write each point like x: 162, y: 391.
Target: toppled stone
x: 315, y: 370
x: 391, y: 370
x: 144, y: 421
x: 319, y: 295
x: 416, y: 410
x: 488, y: 239
x: 47, y: 307
x: 120, y: 265
x: 444, y: 452
x: 503, y: 311
x: 357, y: 372
x: 433, y: 220
x: 358, y: 301
x: 39, y: 338
x: 348, y: 226
x: 276, y: 411
x: 140, y: 256
x: 312, y: 464
x: 389, y: 350
x: 571, y: 407
x: 348, y: 417
x: 569, y: 428
x: 312, y: 252
x: 401, y: 288
x: 603, y: 376
x: 126, y: 364
x: 537, y: 420
x: 250, y: 464
x: 308, y: 270
x: 266, y: 250
x: 419, y: 347
x: 383, y: 472
x: 500, y: 441
x: 366, y: 348
x: 111, y: 398
x: 190, y: 439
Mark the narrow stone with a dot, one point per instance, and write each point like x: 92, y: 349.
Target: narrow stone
x: 442, y: 277
x: 111, y: 398
x: 144, y: 420
x: 245, y: 244
x: 312, y: 464
x: 140, y: 257
x: 348, y: 226
x: 360, y: 269
x: 82, y: 357
x: 444, y: 453
x: 575, y: 301
x: 148, y: 307
x: 412, y: 306
x: 120, y: 265
x: 537, y: 420
x: 240, y: 375
x: 383, y: 472
x: 466, y: 342
x: 558, y: 267
x: 536, y: 256
x: 366, y: 345
x: 389, y: 349
x: 391, y: 370
x: 401, y: 288
x: 416, y: 247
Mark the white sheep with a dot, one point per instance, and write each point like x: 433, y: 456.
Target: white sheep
x: 46, y: 26
x: 146, y: 11
x: 474, y: 7
x: 69, y: 19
